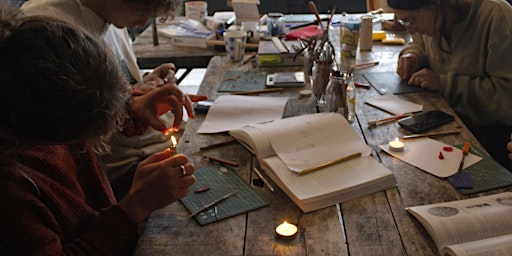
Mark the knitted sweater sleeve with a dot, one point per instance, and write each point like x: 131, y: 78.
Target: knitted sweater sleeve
x: 28, y: 227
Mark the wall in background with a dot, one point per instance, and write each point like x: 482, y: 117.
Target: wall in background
x: 295, y: 6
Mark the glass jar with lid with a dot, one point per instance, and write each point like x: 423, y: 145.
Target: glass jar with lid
x: 275, y: 24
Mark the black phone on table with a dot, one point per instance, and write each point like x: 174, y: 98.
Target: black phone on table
x: 425, y: 121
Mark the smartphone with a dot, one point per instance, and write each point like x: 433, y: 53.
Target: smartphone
x: 286, y: 79
x: 425, y: 121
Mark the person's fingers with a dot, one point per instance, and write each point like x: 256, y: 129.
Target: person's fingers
x: 196, y: 98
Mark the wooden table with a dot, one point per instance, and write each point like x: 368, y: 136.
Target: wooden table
x: 376, y: 224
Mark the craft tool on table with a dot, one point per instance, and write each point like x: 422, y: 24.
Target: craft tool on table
x: 421, y: 135
x: 213, y: 203
x: 220, y: 160
x: 465, y: 152
x: 387, y: 119
x: 221, y: 181
x: 265, y: 181
x: 343, y: 159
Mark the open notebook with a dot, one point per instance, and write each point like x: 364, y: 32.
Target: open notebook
x: 290, y: 147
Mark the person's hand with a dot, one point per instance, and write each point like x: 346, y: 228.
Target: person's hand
x: 158, y: 181
x: 407, y: 65
x: 162, y: 74
x: 425, y: 78
x: 509, y: 148
x: 148, y: 107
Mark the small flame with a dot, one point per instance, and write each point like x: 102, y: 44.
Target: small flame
x: 396, y: 139
x: 173, y: 140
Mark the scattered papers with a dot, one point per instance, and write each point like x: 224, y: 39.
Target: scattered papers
x: 423, y: 153
x: 230, y: 112
x: 394, y: 105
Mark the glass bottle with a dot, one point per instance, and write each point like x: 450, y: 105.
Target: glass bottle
x: 351, y: 98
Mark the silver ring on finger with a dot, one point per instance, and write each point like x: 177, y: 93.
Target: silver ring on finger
x: 183, y: 170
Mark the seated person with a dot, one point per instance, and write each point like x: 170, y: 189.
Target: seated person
x: 62, y: 94
x: 108, y: 20
x: 458, y: 50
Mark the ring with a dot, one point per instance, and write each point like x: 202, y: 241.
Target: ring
x: 183, y: 170
x: 422, y: 79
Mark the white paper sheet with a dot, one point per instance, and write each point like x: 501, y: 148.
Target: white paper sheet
x: 424, y: 154
x: 229, y: 112
x: 393, y: 104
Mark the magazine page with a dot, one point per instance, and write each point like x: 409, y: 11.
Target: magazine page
x: 466, y: 220
x: 497, y: 246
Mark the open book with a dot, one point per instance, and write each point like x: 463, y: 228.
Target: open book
x: 288, y: 148
x: 476, y: 226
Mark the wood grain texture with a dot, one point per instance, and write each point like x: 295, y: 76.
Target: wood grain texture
x: 376, y: 224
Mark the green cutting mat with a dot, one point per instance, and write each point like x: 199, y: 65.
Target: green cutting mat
x: 221, y: 181
x: 485, y: 175
x: 243, y: 81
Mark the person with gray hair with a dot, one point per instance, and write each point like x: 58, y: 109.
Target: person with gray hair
x: 459, y: 50
x: 62, y: 94
x: 108, y: 20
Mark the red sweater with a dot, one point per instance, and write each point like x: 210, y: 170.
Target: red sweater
x: 55, y: 200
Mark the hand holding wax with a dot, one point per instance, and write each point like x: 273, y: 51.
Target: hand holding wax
x: 148, y: 107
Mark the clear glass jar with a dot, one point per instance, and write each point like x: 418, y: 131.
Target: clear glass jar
x: 340, y: 96
x: 252, y: 28
x: 320, y: 73
x: 275, y: 24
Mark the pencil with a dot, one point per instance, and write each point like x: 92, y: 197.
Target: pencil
x: 265, y: 181
x: 252, y: 56
x: 367, y: 64
x: 220, y: 160
x: 257, y: 91
x: 428, y: 134
x: 215, y: 145
x: 343, y: 159
x: 387, y: 119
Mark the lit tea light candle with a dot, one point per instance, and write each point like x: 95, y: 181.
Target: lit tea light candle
x: 286, y: 230
x: 396, y: 145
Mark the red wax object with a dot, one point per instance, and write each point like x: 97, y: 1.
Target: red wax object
x: 202, y: 189
x: 448, y: 149
x: 441, y: 155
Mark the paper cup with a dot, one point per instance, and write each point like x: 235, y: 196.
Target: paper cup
x: 235, y: 44
x: 196, y: 10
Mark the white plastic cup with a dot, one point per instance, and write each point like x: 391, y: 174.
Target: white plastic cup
x: 234, y: 41
x: 196, y: 10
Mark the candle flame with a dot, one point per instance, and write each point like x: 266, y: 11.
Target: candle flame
x: 396, y: 139
x: 173, y: 140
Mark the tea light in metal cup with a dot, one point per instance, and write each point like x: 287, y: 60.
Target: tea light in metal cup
x: 286, y: 230
x: 396, y: 145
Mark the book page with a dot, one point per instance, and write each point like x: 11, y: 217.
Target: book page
x: 497, y: 246
x: 467, y: 220
x: 308, y: 141
x: 424, y: 154
x: 254, y: 140
x: 347, y: 177
x: 230, y: 112
x: 393, y: 104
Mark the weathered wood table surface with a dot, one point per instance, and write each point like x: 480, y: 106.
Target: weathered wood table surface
x: 376, y: 224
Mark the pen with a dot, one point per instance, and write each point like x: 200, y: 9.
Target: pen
x: 213, y: 203
x: 428, y: 134
x: 343, y: 159
x: 215, y: 145
x: 257, y: 91
x: 265, y: 181
x: 465, y: 152
x: 220, y: 160
x: 367, y: 64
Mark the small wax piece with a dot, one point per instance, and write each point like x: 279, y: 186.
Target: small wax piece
x: 202, y: 189
x: 448, y: 149
x: 441, y: 155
